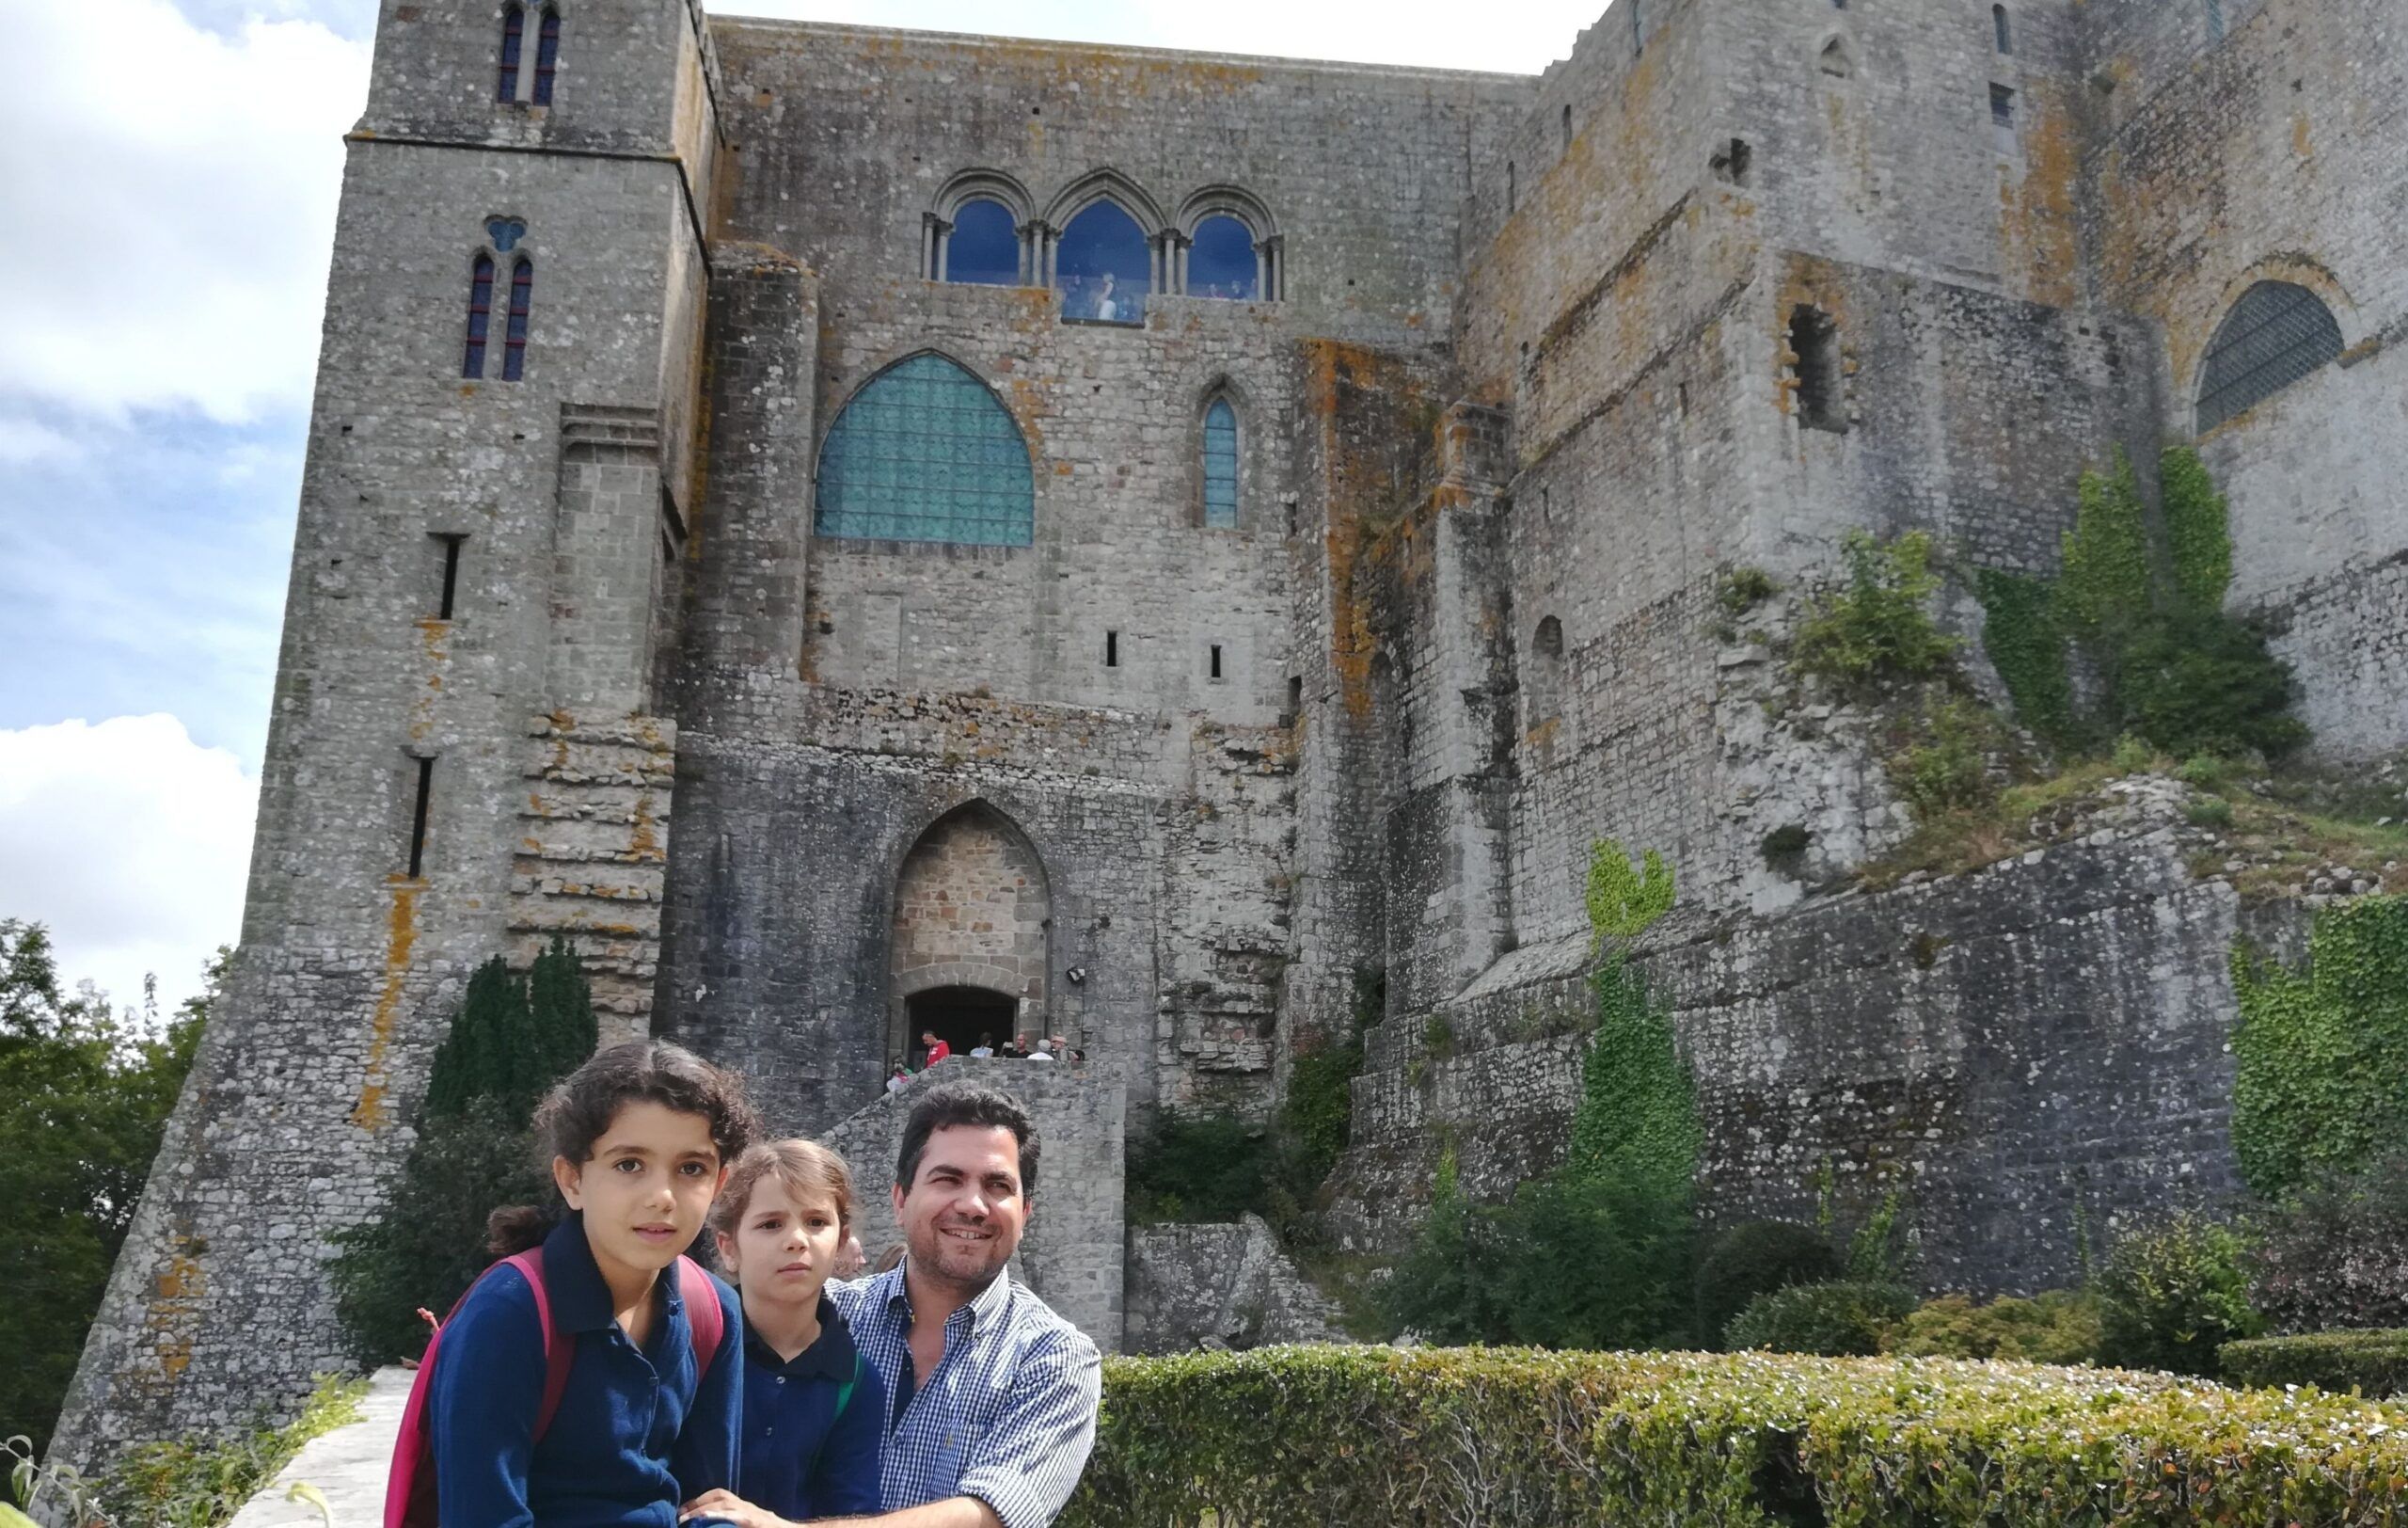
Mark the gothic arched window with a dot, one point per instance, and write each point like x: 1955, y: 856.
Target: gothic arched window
x: 1104, y: 266
x: 926, y: 453
x: 983, y: 248
x: 548, y: 54
x: 2275, y: 335
x: 1223, y: 261
x: 1221, y: 466
x: 522, y: 304
x: 480, y: 316
x: 514, y: 42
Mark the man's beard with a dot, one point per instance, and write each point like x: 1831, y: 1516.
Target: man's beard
x: 971, y: 1265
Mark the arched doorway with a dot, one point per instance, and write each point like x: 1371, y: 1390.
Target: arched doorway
x: 972, y: 934
x: 962, y: 1017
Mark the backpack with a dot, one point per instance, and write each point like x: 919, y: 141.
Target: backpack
x: 409, y: 1487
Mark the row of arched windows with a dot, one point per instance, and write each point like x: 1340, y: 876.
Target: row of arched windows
x: 1104, y: 243
x: 513, y: 81
x: 518, y: 301
x: 925, y: 452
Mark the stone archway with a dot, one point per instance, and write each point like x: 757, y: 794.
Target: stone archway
x: 972, y: 916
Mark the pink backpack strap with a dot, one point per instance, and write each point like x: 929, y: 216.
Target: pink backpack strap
x: 705, y: 1318
x: 558, y: 1355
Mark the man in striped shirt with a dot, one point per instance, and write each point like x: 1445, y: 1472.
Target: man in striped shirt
x: 994, y: 1409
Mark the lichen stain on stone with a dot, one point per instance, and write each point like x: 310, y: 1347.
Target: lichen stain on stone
x: 644, y: 842
x: 2037, y: 210
x: 369, y: 1112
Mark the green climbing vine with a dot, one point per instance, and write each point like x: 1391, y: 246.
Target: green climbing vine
x: 2167, y: 664
x: 2323, y: 1052
x: 1876, y: 625
x: 1637, y: 1120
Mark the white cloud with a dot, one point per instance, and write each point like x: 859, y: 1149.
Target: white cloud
x: 130, y: 842
x: 169, y: 195
x: 21, y: 440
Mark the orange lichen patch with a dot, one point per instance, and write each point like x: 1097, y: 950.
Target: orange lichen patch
x: 369, y: 1112
x: 2301, y: 143
x: 643, y: 843
x: 2036, y: 212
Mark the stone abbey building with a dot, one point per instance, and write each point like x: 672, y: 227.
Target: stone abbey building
x: 869, y: 532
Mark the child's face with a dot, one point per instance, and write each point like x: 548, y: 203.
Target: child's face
x: 645, y: 1189
x: 786, y: 1246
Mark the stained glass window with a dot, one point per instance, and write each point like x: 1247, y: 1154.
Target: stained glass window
x: 480, y: 315
x: 925, y: 453
x: 1220, y: 263
x: 983, y: 249
x: 513, y: 36
x: 1221, y: 466
x: 1104, y: 266
x: 522, y: 304
x: 2276, y: 334
x: 547, y: 56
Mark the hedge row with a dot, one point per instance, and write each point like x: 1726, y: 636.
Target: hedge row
x: 1318, y: 1436
x: 2372, y: 1362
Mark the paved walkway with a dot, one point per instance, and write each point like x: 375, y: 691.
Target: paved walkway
x: 348, y: 1465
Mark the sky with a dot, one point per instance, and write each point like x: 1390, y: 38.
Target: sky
x: 168, y: 171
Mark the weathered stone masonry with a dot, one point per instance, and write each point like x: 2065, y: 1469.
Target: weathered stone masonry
x: 1542, y: 359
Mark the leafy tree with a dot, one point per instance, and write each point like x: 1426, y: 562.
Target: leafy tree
x: 511, y: 1040
x: 85, y: 1095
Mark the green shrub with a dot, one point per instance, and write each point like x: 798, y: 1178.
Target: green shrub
x: 2336, y: 1255
x: 2206, y: 770
x: 1316, y: 1437
x: 1742, y: 589
x: 2371, y: 1362
x: 1878, y: 624
x: 474, y: 1153
x: 1441, y: 1290
x: 2205, y: 683
x: 1196, y: 1167
x: 200, y: 1483
x: 2213, y: 812
x: 1949, y: 770
x: 2172, y: 1294
x: 1753, y: 1258
x: 2131, y: 753
x: 2059, y: 1326
x: 1842, y: 1318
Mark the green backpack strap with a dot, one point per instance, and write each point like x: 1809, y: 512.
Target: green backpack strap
x: 844, y: 1390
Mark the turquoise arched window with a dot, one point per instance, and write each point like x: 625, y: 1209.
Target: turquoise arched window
x: 1221, y: 466
x: 925, y: 453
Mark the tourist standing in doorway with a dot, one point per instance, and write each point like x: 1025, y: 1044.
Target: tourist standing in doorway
x: 994, y: 1394
x: 938, y: 1049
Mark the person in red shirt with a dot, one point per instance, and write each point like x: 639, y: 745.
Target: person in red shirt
x: 938, y: 1049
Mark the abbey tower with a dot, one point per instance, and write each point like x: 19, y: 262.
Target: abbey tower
x: 870, y: 531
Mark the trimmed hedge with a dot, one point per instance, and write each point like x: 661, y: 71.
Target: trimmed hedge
x: 1312, y: 1437
x: 2373, y: 1361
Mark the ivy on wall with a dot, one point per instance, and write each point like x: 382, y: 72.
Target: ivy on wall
x: 1876, y: 625
x: 2170, y: 666
x: 1637, y: 1120
x: 2323, y: 1052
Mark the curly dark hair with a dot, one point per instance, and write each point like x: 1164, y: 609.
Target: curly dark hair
x: 579, y: 1108
x: 966, y: 1102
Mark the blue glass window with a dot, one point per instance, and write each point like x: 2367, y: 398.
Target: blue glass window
x: 522, y: 304
x: 1104, y: 266
x: 547, y: 56
x: 1221, y: 466
x: 984, y: 247
x: 925, y: 453
x: 513, y: 36
x: 2276, y: 334
x: 1222, y: 264
x: 480, y: 316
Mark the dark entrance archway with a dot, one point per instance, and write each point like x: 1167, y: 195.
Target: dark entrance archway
x: 960, y: 1015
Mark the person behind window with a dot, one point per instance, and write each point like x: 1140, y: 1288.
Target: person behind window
x: 1106, y: 309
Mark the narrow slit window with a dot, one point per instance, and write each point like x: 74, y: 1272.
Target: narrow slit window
x: 2004, y: 27
x: 2002, y: 107
x: 1221, y: 466
x: 448, y: 597
x: 1216, y: 660
x: 1815, y: 342
x: 522, y: 302
x: 547, y: 56
x: 1513, y: 187
x: 1112, y: 649
x: 418, y: 816
x: 1567, y: 128
x: 2215, y: 20
x: 480, y: 316
x: 514, y: 42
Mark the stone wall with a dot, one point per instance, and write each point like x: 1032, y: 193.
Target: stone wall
x: 1222, y: 1286
x: 1071, y: 1252
x: 2014, y: 1048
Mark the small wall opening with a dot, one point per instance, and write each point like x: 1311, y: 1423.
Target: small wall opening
x: 449, y: 589
x: 419, y: 814
x: 1821, y: 382
x: 1836, y: 61
x: 963, y: 1017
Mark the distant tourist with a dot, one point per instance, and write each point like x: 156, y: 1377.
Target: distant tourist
x: 938, y: 1049
x: 1106, y: 309
x: 850, y: 1259
x: 1014, y: 1048
x: 640, y: 1137
x: 985, y: 1048
x: 1042, y: 1051
x: 900, y: 1081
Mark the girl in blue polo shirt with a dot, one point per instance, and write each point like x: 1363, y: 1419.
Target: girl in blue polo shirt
x: 813, y: 1402
x: 640, y: 1137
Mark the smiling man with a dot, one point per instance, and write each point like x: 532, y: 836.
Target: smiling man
x: 994, y: 1402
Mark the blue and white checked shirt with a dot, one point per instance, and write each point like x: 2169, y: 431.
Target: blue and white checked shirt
x: 1008, y: 1416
